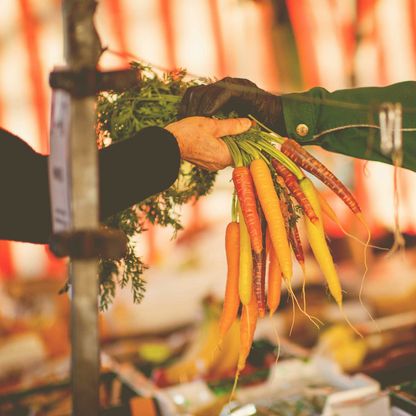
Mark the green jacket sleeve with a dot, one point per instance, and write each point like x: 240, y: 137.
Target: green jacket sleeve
x: 347, y: 121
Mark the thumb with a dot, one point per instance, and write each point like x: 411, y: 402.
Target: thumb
x: 232, y: 126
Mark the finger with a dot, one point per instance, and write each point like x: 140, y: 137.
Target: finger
x: 232, y: 126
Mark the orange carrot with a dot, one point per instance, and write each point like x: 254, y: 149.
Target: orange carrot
x: 268, y: 244
x: 247, y: 327
x: 244, y: 187
x: 270, y: 204
x: 231, y: 297
x: 293, y: 185
x: 274, y: 283
x: 245, y: 279
x: 304, y: 159
x: 248, y: 323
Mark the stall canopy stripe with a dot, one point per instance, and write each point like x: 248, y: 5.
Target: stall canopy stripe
x: 168, y: 32
x: 117, y: 16
x: 36, y: 73
x: 217, y: 30
x: 299, y: 17
x: 268, y: 55
x: 6, y: 264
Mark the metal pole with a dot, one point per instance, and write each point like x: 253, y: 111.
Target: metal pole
x: 82, y: 50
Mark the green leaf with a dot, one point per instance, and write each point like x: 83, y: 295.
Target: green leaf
x: 153, y: 102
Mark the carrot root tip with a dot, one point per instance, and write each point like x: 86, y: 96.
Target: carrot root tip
x: 349, y: 322
x: 233, y: 390
x: 360, y: 217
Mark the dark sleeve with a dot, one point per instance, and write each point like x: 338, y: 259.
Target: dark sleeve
x: 129, y: 172
x: 24, y: 203
x: 132, y: 170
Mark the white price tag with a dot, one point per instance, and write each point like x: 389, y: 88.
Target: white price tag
x: 59, y: 162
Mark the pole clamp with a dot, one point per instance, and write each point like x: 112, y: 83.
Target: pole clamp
x: 89, y: 244
x: 88, y: 82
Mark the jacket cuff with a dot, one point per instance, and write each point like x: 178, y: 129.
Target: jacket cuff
x: 300, y: 114
x: 151, y: 159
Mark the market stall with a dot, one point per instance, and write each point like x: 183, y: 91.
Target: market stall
x: 152, y: 317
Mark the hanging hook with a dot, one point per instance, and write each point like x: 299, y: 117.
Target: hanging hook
x: 390, y: 118
x: 397, y: 133
x: 386, y: 116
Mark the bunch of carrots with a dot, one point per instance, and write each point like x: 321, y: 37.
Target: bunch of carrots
x: 271, y: 193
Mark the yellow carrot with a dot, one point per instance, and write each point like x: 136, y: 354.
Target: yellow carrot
x: 319, y: 246
x: 245, y: 280
x: 270, y: 204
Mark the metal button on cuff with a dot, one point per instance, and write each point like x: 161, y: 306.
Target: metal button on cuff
x: 302, y: 130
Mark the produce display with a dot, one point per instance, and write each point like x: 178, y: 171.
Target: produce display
x: 272, y: 195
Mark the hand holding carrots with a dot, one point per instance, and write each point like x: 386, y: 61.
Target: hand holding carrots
x: 199, y: 139
x: 272, y: 193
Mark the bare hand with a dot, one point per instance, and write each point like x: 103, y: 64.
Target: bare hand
x: 199, y: 139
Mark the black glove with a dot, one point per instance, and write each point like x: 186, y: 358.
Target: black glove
x: 234, y: 94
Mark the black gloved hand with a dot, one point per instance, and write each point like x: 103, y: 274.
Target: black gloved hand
x: 234, y: 94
